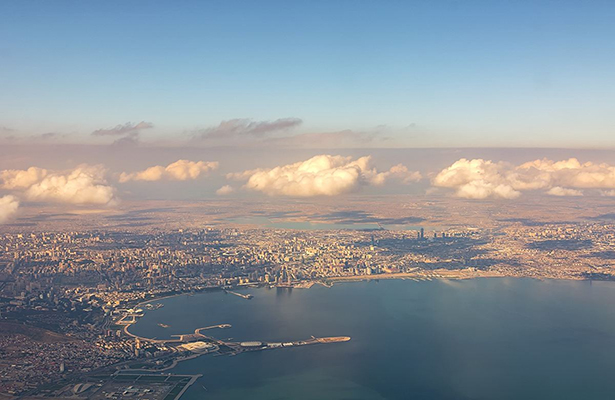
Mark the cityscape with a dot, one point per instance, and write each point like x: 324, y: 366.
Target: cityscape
x: 69, y: 297
x: 332, y: 200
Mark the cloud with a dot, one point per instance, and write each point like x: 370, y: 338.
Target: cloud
x: 82, y: 185
x: 120, y: 130
x: 21, y: 179
x: 246, y: 127
x: 181, y: 170
x: 572, y: 173
x: 560, y: 191
x: 131, y: 139
x: 279, y: 133
x: 8, y: 207
x: 225, y: 190
x: 242, y: 176
x: 476, y: 179
x: 399, y: 172
x: 322, y: 175
x: 479, y: 179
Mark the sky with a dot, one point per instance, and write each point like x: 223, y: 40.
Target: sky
x: 103, y: 102
x: 395, y: 74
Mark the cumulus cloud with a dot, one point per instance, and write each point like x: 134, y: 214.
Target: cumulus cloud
x: 21, y: 179
x: 560, y: 191
x: 479, y: 179
x: 181, y: 170
x: 246, y: 127
x: 399, y: 172
x: 224, y: 190
x: 8, y: 207
x: 322, y: 175
x: 120, y: 130
x: 82, y: 185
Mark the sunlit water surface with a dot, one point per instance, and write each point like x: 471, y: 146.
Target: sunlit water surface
x: 474, y: 339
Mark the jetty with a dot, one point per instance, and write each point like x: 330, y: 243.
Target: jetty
x: 243, y: 296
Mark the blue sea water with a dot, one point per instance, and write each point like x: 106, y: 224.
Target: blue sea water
x: 474, y: 339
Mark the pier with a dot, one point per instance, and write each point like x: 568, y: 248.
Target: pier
x: 243, y: 296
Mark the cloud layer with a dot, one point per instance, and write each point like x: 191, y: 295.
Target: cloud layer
x: 480, y: 179
x: 82, y: 185
x: 181, y: 170
x: 322, y: 175
x: 8, y: 207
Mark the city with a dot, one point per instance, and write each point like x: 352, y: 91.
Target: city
x: 366, y: 200
x: 76, y: 292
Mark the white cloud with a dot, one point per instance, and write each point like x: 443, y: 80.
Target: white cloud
x: 399, y: 172
x: 8, y: 207
x: 479, y: 179
x: 21, y: 179
x: 224, y: 190
x: 242, y: 176
x: 571, y: 173
x: 560, y: 191
x: 181, y: 170
x: 480, y: 190
x: 322, y: 175
x: 82, y: 185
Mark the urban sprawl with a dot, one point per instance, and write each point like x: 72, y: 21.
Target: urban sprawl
x: 67, y: 297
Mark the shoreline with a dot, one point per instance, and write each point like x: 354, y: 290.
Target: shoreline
x: 328, y: 282
x: 417, y: 277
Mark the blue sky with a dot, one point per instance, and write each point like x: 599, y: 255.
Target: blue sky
x: 462, y: 73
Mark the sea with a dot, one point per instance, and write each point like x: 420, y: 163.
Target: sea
x: 492, y: 338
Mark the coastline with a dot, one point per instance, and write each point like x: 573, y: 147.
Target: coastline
x: 436, y: 274
x: 417, y: 276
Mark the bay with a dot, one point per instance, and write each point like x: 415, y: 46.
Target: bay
x: 503, y: 338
